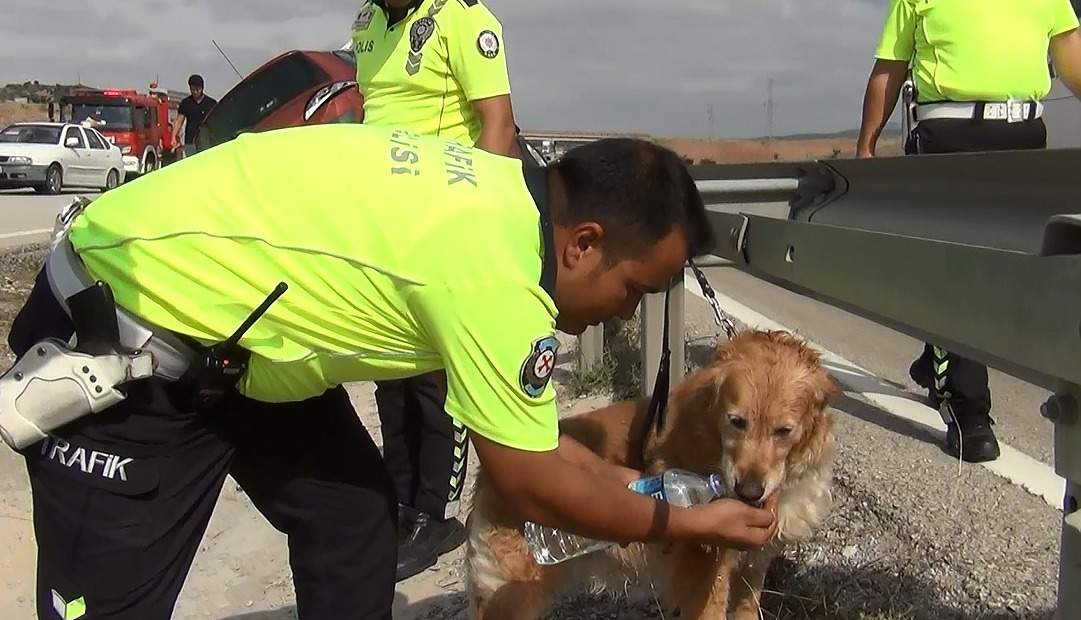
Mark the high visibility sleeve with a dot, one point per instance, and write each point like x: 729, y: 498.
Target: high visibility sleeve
x: 898, y: 40
x: 478, y: 59
x: 499, y: 351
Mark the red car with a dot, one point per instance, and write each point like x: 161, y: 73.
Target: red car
x: 295, y: 88
x: 298, y: 88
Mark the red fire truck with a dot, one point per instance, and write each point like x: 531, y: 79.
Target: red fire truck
x: 139, y: 123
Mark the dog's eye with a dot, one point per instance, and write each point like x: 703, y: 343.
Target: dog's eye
x: 782, y: 431
x: 738, y: 422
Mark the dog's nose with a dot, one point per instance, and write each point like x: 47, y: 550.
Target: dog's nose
x: 750, y: 491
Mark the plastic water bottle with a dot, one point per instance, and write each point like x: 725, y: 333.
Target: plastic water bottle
x: 676, y: 486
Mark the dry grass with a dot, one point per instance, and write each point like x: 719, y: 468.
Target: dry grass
x: 18, y: 267
x: 11, y: 112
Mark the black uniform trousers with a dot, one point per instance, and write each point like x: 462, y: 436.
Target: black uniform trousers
x: 425, y: 450
x: 963, y: 382
x: 121, y: 498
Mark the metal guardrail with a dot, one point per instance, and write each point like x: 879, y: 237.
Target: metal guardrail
x: 978, y: 253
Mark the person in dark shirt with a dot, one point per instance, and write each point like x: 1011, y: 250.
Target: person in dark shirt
x: 192, y: 111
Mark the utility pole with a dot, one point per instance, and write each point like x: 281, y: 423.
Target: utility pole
x: 710, y: 116
x: 769, y: 110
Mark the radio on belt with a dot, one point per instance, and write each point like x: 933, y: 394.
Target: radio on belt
x: 220, y: 366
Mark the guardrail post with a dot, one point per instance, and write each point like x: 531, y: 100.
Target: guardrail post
x: 1063, y: 410
x: 591, y: 348
x: 652, y: 326
x: 1069, y: 572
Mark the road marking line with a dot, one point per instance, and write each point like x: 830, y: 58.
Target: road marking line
x: 26, y: 233
x: 1017, y: 467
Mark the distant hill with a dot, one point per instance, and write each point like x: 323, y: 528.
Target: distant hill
x: 849, y: 134
x: 788, y: 148
x: 891, y: 132
x: 35, y: 92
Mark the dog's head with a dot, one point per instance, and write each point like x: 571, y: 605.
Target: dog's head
x: 756, y: 415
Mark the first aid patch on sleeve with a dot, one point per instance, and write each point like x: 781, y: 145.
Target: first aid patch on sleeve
x: 538, y: 366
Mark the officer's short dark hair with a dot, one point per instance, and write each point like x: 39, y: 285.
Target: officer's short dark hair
x: 195, y: 81
x: 637, y: 190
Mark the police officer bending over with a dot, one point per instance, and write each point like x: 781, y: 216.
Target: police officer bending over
x: 403, y: 255
x: 980, y: 72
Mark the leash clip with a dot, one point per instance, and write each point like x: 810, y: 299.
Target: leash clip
x: 719, y: 316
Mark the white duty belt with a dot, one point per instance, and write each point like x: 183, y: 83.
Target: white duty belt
x: 67, y: 276
x: 55, y: 383
x: 1009, y: 111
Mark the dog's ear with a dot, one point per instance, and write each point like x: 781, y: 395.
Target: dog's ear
x: 690, y: 405
x: 823, y: 389
x: 702, y: 392
x: 816, y: 444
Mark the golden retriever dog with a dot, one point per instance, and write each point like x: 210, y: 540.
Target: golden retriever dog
x: 756, y: 415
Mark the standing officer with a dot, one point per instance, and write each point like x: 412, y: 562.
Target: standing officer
x: 433, y: 67
x: 403, y: 255
x: 980, y: 72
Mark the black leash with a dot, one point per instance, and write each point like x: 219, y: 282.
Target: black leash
x: 658, y: 403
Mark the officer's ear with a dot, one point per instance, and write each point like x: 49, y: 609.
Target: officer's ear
x: 584, y: 246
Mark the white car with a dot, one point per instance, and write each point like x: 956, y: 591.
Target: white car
x: 52, y: 156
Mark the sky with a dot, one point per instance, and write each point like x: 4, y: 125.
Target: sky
x: 600, y: 65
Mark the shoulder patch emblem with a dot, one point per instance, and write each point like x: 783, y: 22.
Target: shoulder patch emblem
x: 364, y: 17
x: 488, y: 44
x: 538, y: 366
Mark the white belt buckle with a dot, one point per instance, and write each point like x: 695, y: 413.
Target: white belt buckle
x: 1015, y: 111
x: 995, y: 111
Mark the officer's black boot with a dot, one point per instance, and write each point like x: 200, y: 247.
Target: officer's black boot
x: 422, y: 539
x: 970, y: 435
x: 921, y: 372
